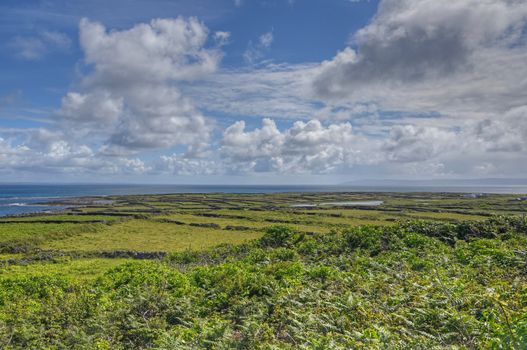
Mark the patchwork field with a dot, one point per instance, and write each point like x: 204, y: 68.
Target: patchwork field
x: 171, y: 223
x: 285, y: 270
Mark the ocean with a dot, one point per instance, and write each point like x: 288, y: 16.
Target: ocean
x: 28, y: 198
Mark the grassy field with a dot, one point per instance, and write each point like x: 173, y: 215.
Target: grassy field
x: 248, y: 271
x: 150, y: 235
x: 179, y: 222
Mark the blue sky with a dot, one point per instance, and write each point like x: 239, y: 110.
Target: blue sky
x: 319, y: 32
x: 271, y: 91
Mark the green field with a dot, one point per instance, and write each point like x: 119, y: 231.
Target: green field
x: 246, y: 271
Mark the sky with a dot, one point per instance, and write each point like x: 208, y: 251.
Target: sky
x: 262, y: 91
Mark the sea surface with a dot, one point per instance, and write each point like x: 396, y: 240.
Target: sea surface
x: 28, y: 198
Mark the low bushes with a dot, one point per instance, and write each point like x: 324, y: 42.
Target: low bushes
x: 415, y: 285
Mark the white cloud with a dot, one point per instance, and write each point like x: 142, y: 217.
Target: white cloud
x: 274, y: 91
x: 413, y: 40
x: 45, y: 151
x: 304, y: 148
x: 256, y: 51
x: 132, y: 91
x: 28, y: 48
x: 427, y: 88
x: 36, y: 47
x: 221, y: 37
x: 408, y: 143
x: 493, y: 148
x: 128, y: 102
x: 57, y: 39
x: 266, y: 39
x: 433, y: 83
x: 162, y: 50
x: 507, y: 134
x: 488, y: 147
x: 178, y: 164
x: 97, y: 107
x: 239, y: 145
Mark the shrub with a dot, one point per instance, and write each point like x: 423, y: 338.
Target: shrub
x: 277, y: 236
x: 364, y: 237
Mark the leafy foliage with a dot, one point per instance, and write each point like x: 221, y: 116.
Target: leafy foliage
x: 413, y: 285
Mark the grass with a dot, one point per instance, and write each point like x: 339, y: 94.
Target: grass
x: 53, y: 218
x: 7, y: 256
x: 36, y: 231
x: 65, y: 267
x: 253, y: 211
x: 147, y: 235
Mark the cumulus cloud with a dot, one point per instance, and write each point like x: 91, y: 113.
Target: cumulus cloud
x: 164, y: 49
x: 97, y: 107
x: 239, y: 145
x: 412, y: 40
x: 132, y: 91
x: 36, y: 47
x: 129, y: 101
x: 507, y: 134
x: 479, y: 148
x: 42, y: 150
x: 439, y: 84
x: 180, y: 164
x: 159, y: 116
x: 408, y: 143
x: 427, y: 88
x: 304, y: 148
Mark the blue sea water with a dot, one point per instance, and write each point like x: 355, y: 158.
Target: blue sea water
x: 20, y: 199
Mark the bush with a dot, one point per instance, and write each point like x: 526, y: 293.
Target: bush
x: 364, y: 237
x: 277, y: 236
x: 289, y: 291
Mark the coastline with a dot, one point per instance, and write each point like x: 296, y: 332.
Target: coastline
x: 72, y: 204
x: 33, y: 199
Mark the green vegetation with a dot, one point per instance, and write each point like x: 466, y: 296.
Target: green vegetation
x: 149, y: 235
x: 74, y: 269
x: 24, y: 237
x: 223, y: 271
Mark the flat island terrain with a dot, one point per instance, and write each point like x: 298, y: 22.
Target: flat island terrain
x: 262, y: 271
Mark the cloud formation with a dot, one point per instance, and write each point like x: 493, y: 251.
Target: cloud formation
x: 256, y: 51
x: 304, y: 148
x: 45, y: 151
x: 177, y: 164
x: 413, y: 40
x: 408, y: 143
x: 132, y: 91
x: 36, y: 47
x: 507, y: 134
x: 164, y: 49
x: 427, y: 88
x: 128, y: 102
x: 439, y: 84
